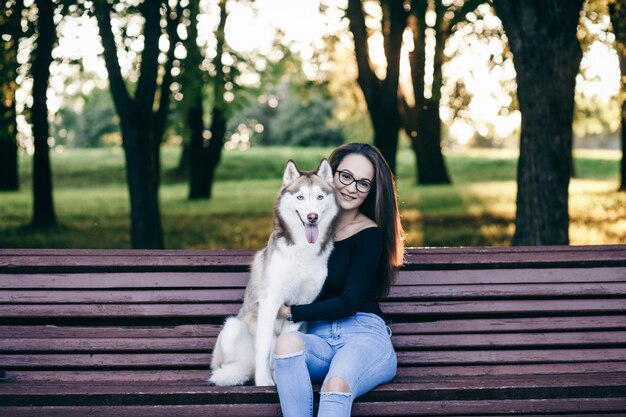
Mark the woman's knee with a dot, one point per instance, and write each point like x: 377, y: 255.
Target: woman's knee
x: 289, y: 343
x: 336, y: 384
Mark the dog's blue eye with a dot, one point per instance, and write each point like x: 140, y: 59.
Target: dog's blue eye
x: 300, y: 197
x: 320, y: 197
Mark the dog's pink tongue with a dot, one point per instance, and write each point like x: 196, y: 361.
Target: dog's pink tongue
x: 311, y: 232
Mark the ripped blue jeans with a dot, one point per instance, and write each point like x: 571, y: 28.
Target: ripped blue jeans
x: 357, y: 349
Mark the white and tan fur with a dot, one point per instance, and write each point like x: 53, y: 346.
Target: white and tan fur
x: 290, y: 270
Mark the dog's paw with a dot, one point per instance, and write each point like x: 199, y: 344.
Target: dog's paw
x: 264, y: 382
x: 263, y: 378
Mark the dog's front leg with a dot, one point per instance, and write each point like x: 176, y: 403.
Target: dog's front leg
x: 268, y: 310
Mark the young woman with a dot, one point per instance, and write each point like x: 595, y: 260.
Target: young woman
x: 347, y: 348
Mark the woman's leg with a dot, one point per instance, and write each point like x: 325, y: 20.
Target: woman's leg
x: 365, y: 360
x: 301, y: 359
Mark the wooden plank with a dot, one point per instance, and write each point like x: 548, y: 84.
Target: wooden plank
x: 32, y: 260
x: 505, y: 307
x: 144, y: 344
x: 546, y: 370
x: 106, y: 360
x: 38, y: 331
x: 236, y: 295
x: 405, y: 358
x: 514, y: 324
x: 457, y: 388
x: 119, y: 310
x: 546, y: 356
x: 121, y: 296
x: 218, y: 279
x: 486, y: 408
x: 408, y: 342
x: 483, y: 326
x: 125, y: 280
x: 186, y: 376
x: 504, y: 340
x: 218, y: 310
x: 511, y: 276
x: 478, y: 291
x: 199, y: 376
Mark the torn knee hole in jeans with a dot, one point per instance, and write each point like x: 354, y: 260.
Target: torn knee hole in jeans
x: 289, y: 355
x: 341, y: 394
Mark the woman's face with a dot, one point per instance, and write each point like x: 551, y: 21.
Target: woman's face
x: 362, y: 171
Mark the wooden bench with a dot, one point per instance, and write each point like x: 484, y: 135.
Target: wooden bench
x: 479, y: 331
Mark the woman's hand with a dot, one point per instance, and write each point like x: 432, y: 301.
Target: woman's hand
x: 283, y: 312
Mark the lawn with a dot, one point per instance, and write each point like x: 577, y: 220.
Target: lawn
x: 91, y: 201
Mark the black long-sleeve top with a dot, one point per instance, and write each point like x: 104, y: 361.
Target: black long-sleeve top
x: 349, y: 287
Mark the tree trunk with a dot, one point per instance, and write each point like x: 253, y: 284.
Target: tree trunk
x: 622, y: 186
x: 11, y: 27
x: 43, y: 206
x: 137, y: 122
x: 431, y: 165
x: 617, y: 13
x: 381, y: 96
x: 206, y: 153
x: 547, y: 55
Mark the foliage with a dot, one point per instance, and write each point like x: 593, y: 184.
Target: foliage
x: 293, y: 121
x: 88, y: 124
x: 304, y: 123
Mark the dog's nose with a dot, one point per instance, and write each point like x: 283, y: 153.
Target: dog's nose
x: 311, y: 217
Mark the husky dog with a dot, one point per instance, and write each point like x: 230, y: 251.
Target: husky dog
x: 290, y: 270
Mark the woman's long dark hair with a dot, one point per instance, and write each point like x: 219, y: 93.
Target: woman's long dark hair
x: 381, y: 205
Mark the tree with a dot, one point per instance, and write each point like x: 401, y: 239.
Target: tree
x: 617, y: 13
x: 381, y: 96
x: 142, y: 127
x: 205, y: 152
x: 421, y: 121
x: 43, y: 205
x: 547, y: 55
x: 11, y: 31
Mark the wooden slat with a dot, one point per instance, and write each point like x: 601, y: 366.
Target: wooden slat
x: 479, y: 291
x: 118, y: 310
x: 546, y: 356
x: 21, y: 260
x: 104, y: 360
x: 456, y: 388
x: 578, y: 406
x: 412, y: 342
x: 119, y: 296
x: 495, y: 340
x: 405, y: 358
x: 504, y: 307
x: 218, y: 310
x: 51, y: 332
x: 511, y: 324
x: 462, y: 276
x: 461, y: 326
x: 236, y: 295
x: 186, y: 376
x: 199, y: 376
x: 104, y: 344
x: 111, y: 280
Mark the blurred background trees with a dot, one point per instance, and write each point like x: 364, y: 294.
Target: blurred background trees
x: 214, y: 76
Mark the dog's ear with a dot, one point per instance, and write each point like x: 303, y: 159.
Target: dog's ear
x: 291, y: 173
x: 325, y: 171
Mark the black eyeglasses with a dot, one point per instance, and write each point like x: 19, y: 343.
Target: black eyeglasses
x: 362, y: 185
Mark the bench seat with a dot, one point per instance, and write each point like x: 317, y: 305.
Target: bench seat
x: 478, y: 331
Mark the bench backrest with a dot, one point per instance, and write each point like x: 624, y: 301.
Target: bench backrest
x: 144, y: 315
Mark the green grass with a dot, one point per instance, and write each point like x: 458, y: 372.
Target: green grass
x: 91, y: 201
